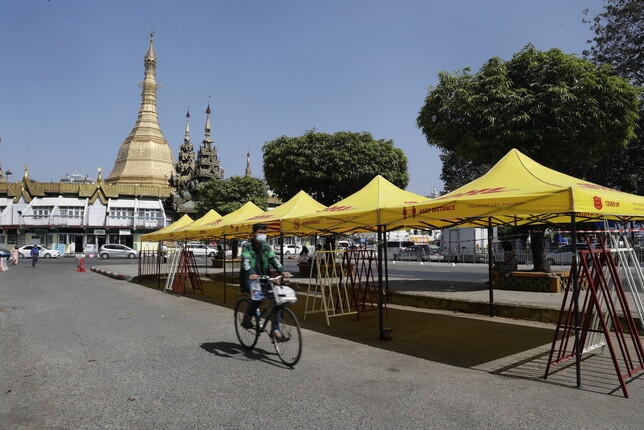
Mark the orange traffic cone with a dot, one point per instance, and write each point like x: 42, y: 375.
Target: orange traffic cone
x: 81, y: 265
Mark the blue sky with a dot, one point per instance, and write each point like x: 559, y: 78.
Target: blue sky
x: 68, y: 81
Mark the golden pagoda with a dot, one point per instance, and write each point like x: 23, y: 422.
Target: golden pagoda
x: 145, y: 158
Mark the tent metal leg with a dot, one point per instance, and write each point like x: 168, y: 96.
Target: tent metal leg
x: 386, y: 262
x: 490, y: 257
x: 575, y: 298
x: 224, y: 269
x: 381, y: 324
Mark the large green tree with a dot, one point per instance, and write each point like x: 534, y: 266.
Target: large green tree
x: 619, y: 38
x: 458, y: 171
x: 330, y: 167
x: 561, y: 110
x: 228, y: 195
x: 619, y: 42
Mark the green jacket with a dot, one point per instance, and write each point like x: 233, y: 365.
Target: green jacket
x: 257, y: 262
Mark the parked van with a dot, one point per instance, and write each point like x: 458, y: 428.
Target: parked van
x: 394, y: 247
x: 342, y: 245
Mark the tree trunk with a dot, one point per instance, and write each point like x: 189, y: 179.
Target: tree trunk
x: 539, y: 259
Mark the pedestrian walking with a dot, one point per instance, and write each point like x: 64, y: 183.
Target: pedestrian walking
x: 34, y: 255
x: 14, y: 255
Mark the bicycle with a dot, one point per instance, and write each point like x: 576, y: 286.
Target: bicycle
x: 284, y: 330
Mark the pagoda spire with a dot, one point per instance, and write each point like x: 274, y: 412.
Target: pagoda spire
x: 186, y: 137
x: 207, y: 164
x: 248, y: 174
x: 207, y: 140
x: 185, y: 167
x: 145, y: 158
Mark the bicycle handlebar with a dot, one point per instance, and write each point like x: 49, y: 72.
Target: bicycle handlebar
x: 277, y: 280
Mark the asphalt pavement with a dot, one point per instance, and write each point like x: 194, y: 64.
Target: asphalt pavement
x: 82, y: 350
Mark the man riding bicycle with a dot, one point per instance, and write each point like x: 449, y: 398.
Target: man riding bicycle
x: 257, y: 258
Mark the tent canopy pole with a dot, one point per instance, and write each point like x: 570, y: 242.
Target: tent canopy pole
x: 575, y: 298
x: 490, y: 257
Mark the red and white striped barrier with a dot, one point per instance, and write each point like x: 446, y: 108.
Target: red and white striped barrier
x: 617, y: 230
x: 499, y: 238
x: 109, y: 273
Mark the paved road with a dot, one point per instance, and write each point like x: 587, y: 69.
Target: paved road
x: 80, y: 350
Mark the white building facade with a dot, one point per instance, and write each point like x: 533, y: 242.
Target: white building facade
x: 78, y: 218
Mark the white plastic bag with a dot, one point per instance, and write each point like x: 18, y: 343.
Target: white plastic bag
x: 256, y: 290
x: 284, y: 295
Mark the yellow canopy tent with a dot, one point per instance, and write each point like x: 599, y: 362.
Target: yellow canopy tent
x: 299, y: 205
x: 195, y: 228
x: 361, y: 211
x: 226, y: 226
x: 518, y: 190
x: 162, y: 233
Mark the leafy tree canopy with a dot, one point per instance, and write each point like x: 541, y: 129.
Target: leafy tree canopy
x: 331, y: 167
x: 458, y: 171
x: 228, y: 195
x: 619, y: 41
x: 560, y: 110
x: 619, y: 38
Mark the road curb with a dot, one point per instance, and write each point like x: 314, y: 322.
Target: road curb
x: 115, y: 275
x: 505, y: 310
x: 514, y: 311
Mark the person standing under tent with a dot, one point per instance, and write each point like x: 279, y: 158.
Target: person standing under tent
x: 304, y: 256
x: 509, y: 263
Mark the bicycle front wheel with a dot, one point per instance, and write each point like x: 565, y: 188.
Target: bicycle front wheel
x: 287, y: 336
x: 246, y: 333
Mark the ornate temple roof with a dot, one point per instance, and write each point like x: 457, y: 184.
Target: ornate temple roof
x: 29, y: 189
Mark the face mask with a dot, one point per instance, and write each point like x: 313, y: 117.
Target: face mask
x: 261, y: 237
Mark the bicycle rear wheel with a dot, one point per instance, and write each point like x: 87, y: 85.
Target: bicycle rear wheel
x: 289, y: 347
x: 247, y: 335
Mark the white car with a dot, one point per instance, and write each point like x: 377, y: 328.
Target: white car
x: 25, y: 252
x: 291, y: 249
x: 563, y: 255
x: 115, y: 250
x: 199, y: 249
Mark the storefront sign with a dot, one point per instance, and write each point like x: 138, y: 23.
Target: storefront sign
x: 99, y: 232
x: 125, y: 232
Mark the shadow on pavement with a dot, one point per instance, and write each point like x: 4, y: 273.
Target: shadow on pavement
x: 234, y: 350
x: 457, y: 340
x: 598, y: 372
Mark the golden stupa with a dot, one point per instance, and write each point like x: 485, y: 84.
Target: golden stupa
x: 145, y: 158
